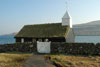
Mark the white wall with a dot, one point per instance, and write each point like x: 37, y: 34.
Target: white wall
x: 67, y: 22
x: 70, y: 38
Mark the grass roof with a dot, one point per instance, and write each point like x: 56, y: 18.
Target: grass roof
x: 43, y: 31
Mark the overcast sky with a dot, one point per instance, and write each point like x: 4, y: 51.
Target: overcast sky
x: 14, y: 14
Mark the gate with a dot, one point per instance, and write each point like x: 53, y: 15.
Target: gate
x: 43, y: 47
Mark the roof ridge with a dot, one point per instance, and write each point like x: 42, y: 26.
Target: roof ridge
x: 42, y: 24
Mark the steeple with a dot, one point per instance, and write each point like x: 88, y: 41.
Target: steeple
x: 66, y: 19
x: 67, y: 15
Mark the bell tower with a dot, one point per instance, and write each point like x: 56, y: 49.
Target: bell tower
x: 67, y: 19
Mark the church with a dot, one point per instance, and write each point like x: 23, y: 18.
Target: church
x: 51, y: 32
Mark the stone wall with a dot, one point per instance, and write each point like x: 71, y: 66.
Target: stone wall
x: 19, y: 47
x: 56, y: 48
x: 75, y: 48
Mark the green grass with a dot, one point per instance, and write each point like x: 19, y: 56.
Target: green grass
x: 75, y: 61
x: 13, y: 59
x: 43, y: 30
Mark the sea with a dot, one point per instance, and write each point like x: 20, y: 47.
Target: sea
x: 87, y: 39
x: 6, y: 39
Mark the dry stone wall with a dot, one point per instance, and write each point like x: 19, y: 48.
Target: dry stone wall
x: 18, y: 47
x: 75, y: 48
x: 56, y: 48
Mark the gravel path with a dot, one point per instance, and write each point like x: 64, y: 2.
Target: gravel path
x: 37, y: 61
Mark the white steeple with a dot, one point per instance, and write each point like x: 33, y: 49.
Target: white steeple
x: 66, y: 19
x: 67, y: 15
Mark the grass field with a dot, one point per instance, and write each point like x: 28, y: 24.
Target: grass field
x: 18, y: 59
x: 13, y: 59
x: 75, y: 61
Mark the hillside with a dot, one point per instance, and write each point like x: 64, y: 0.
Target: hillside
x: 11, y: 34
x: 90, y: 24
x: 90, y: 28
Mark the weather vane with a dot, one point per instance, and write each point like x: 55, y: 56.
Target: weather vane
x: 67, y: 5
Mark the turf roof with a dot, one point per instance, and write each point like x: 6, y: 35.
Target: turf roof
x: 43, y: 31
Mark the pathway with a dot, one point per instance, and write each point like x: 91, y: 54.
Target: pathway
x: 37, y: 61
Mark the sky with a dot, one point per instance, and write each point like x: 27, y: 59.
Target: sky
x: 14, y: 14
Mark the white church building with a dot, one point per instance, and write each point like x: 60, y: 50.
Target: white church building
x: 53, y: 32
